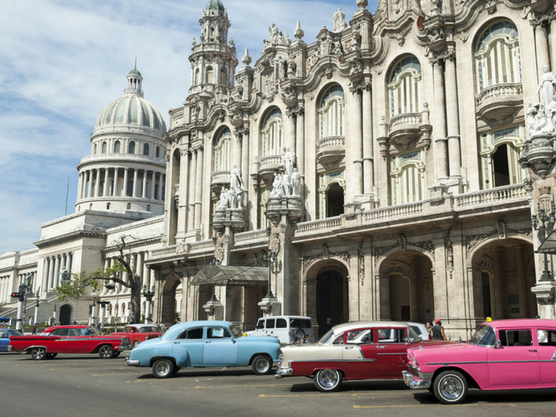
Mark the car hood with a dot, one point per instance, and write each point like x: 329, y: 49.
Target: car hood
x: 439, y: 351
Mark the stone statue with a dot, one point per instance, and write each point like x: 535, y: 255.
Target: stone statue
x: 277, y: 186
x: 551, y: 114
x: 536, y: 119
x: 339, y: 20
x: 66, y: 276
x: 224, y: 198
x: 546, y: 86
x: 289, y: 158
x: 296, y: 182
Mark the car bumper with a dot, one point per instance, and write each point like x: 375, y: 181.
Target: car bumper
x: 131, y: 362
x: 413, y: 383
x: 283, y: 372
x: 10, y: 347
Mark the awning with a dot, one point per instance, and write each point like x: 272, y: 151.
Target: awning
x: 549, y: 245
x: 232, y: 275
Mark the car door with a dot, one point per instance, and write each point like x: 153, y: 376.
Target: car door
x: 4, y: 341
x: 220, y: 348
x: 391, y: 351
x: 270, y: 327
x: 360, y: 354
x: 516, y: 362
x: 546, y: 342
x: 191, y: 340
x: 57, y: 340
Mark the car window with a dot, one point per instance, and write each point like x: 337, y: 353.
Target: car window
x: 217, y: 333
x: 281, y: 324
x: 391, y: 335
x: 196, y: 333
x: 4, y: 335
x: 361, y: 336
x: 303, y: 323
x: 339, y: 340
x: 484, y: 336
x: 270, y: 323
x: 515, y: 337
x: 59, y: 332
x: 75, y: 332
x: 546, y: 337
x: 260, y: 324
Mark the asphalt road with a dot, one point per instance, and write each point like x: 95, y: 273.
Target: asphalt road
x: 85, y: 385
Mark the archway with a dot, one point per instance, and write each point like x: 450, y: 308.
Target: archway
x: 332, y: 300
x: 334, y: 200
x: 503, y: 274
x: 65, y: 314
x: 166, y: 312
x: 406, y: 289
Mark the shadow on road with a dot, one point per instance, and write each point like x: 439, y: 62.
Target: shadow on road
x: 506, y: 396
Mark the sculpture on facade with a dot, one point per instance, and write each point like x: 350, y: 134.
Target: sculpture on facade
x: 339, y: 20
x: 546, y: 85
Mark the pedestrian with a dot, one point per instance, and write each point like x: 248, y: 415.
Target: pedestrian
x: 437, y: 331
x: 35, y: 328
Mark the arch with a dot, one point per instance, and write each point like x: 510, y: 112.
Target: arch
x: 197, y: 76
x: 146, y: 149
x: 407, y: 177
x: 157, y: 153
x: 65, y: 314
x: 131, y: 147
x: 271, y: 132
x: 497, y: 54
x: 94, y: 149
x: 167, y: 305
x: 117, y: 146
x: 222, y: 150
x: 332, y: 111
x: 404, y: 86
x: 104, y: 147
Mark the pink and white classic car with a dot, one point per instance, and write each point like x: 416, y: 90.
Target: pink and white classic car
x: 503, y: 354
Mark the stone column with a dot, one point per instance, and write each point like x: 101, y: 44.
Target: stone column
x: 79, y: 185
x: 498, y: 307
x: 124, y: 187
x: 153, y: 185
x: 245, y: 157
x: 353, y: 150
x: 368, y: 168
x: 97, y: 183
x: 521, y: 270
x: 452, y: 116
x: 115, y: 188
x: 300, y: 142
x: 541, y: 44
x: 199, y: 189
x: 144, y: 190
x: 135, y: 182
x: 191, y: 191
x: 105, y: 185
x: 441, y: 151
x: 290, y: 132
x: 236, y: 151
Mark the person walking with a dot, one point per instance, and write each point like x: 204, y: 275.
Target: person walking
x: 437, y: 331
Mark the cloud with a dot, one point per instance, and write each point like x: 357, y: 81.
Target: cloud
x: 63, y: 61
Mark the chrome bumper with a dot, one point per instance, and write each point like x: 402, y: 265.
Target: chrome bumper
x: 10, y: 347
x: 283, y: 372
x: 130, y: 362
x: 411, y: 383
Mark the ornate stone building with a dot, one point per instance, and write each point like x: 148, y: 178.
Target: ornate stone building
x: 385, y: 169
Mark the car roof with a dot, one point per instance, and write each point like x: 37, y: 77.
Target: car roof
x: 522, y: 322
x: 286, y: 317
x: 139, y: 325
x: 358, y: 324
x: 69, y: 326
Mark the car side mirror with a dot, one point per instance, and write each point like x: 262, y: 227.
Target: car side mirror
x: 498, y: 344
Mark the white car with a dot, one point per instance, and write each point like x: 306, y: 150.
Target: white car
x: 288, y: 329
x: 420, y: 329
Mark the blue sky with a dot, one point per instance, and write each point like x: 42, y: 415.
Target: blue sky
x: 63, y: 61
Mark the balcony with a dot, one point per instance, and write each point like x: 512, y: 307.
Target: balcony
x: 499, y: 102
x: 404, y: 129
x: 331, y: 149
x: 268, y: 165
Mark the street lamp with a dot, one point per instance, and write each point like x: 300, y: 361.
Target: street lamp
x: 271, y: 258
x: 112, y: 286
x: 544, y: 224
x: 149, y: 295
x: 36, y: 321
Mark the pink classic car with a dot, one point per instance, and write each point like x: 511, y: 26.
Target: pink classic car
x: 503, y: 354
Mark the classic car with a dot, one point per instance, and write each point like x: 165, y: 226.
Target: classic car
x: 502, y: 354
x: 358, y: 350
x: 5, y: 335
x: 205, y: 343
x: 68, y: 339
x: 138, y: 333
x: 288, y: 329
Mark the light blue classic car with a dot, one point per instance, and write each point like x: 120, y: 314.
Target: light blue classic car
x: 203, y: 344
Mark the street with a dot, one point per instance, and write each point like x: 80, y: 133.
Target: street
x: 85, y: 385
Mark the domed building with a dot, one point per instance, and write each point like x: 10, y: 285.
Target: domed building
x: 126, y: 168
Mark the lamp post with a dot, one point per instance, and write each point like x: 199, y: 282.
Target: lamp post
x: 53, y: 316
x: 544, y: 225
x: 36, y: 321
x: 271, y: 258
x: 149, y: 295
x: 93, y: 320
x: 111, y: 286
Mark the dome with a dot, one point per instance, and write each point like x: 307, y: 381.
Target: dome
x: 134, y: 71
x: 215, y: 5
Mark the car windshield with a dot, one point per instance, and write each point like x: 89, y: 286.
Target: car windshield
x: 484, y: 336
x: 326, y: 338
x: 14, y: 332
x: 90, y: 331
x: 413, y: 336
x: 235, y: 331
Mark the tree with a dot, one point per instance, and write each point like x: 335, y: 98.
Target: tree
x: 77, y: 287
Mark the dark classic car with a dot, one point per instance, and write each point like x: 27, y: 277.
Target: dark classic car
x: 68, y: 339
x: 359, y: 350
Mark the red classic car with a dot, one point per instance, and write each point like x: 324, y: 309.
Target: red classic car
x: 359, y: 350
x: 138, y: 333
x: 503, y: 354
x: 69, y: 339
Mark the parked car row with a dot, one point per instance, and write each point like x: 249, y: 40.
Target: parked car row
x: 503, y: 354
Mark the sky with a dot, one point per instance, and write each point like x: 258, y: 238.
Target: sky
x: 63, y: 61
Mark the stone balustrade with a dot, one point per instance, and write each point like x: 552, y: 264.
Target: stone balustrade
x: 499, y: 90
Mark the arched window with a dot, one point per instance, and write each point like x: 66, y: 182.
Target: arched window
x: 94, y: 149
x: 497, y: 56
x: 146, y: 149
x: 104, y: 147
x: 222, y: 151
x: 209, y: 77
x: 131, y: 148
x: 272, y: 133
x: 157, y: 154
x: 404, y: 87
x: 500, y: 151
x: 197, y: 72
x: 223, y: 76
x: 117, y: 146
x: 331, y: 112
x: 407, y: 176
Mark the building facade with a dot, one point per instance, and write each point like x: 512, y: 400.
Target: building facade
x: 386, y: 169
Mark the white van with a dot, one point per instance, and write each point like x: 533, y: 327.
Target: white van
x: 288, y: 329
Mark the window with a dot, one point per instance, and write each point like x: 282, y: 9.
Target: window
x: 405, y: 87
x: 131, y: 148
x: 222, y: 151
x: 217, y: 333
x: 60, y: 332
x: 104, y: 147
x: 391, y: 335
x: 546, y: 337
x: 223, y: 76
x: 270, y: 323
x: 146, y: 149
x: 272, y: 133
x: 192, y: 334
x: 94, y: 149
x: 157, y: 154
x: 515, y: 337
x: 209, y: 75
x: 331, y: 112
x: 360, y: 336
x: 117, y: 146
x: 196, y: 76
x: 500, y: 151
x: 407, y: 177
x: 497, y: 56
x: 281, y: 324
